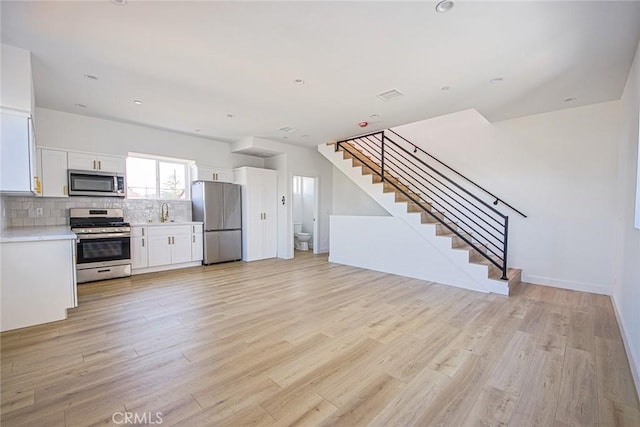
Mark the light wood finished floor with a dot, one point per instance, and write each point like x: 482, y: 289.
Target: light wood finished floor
x: 307, y: 342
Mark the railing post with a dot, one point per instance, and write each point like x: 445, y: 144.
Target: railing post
x: 504, y: 254
x: 382, y: 157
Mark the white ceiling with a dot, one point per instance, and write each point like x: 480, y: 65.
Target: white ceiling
x: 194, y: 63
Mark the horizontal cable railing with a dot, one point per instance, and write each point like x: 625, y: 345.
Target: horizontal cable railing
x: 439, y: 197
x: 418, y: 150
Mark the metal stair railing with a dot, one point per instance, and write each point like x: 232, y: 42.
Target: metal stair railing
x: 462, y: 213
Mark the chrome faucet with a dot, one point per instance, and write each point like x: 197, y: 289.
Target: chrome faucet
x: 164, y: 212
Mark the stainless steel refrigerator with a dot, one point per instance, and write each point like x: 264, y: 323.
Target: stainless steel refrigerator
x: 218, y: 206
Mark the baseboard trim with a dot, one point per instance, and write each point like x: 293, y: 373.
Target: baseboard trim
x: 634, y: 359
x: 165, y: 267
x: 566, y: 284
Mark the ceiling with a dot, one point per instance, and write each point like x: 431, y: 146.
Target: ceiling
x: 226, y: 70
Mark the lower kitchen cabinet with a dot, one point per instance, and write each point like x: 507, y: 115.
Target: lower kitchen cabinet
x: 169, y: 245
x: 157, y: 247
x: 37, y: 279
x: 197, y: 243
x: 139, y: 253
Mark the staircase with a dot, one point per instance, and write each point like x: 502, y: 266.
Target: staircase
x: 435, y: 201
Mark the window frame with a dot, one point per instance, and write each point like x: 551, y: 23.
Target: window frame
x: 186, y: 163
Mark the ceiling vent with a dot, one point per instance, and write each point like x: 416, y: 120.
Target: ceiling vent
x: 287, y: 129
x: 390, y: 95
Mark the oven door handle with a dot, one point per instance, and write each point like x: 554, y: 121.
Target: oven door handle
x: 102, y: 236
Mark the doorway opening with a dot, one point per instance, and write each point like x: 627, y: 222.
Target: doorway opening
x: 305, y: 214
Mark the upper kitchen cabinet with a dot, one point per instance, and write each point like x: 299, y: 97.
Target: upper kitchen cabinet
x: 17, y: 154
x: 17, y: 141
x: 96, y: 162
x: 207, y: 173
x: 52, y: 168
x: 17, y: 81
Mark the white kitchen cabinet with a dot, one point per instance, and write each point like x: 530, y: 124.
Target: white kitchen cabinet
x: 17, y: 154
x: 52, y: 172
x: 17, y: 139
x: 259, y: 212
x: 139, y: 253
x: 165, y: 246
x: 96, y: 162
x: 37, y: 279
x: 169, y: 245
x: 17, y: 79
x: 181, y: 246
x: 159, y: 247
x: 197, y: 243
x: 207, y: 173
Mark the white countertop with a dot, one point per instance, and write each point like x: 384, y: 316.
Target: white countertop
x: 33, y: 234
x: 162, y: 224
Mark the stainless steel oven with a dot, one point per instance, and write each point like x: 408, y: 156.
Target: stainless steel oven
x: 104, y: 244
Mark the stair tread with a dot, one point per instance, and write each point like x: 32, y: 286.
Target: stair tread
x: 511, y: 273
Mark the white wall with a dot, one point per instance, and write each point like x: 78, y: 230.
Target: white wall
x: 279, y: 163
x: 75, y: 132
x: 349, y: 199
x: 300, y: 161
x: 308, y: 201
x: 559, y: 168
x: 393, y: 248
x: 626, y: 287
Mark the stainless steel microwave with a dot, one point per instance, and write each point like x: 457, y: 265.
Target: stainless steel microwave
x: 96, y: 184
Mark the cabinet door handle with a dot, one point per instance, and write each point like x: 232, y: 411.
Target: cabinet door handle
x: 143, y: 242
x: 99, y: 165
x: 173, y: 240
x: 37, y: 185
x: 169, y: 239
x: 193, y: 238
x: 143, y: 231
x: 265, y: 215
x: 94, y: 165
x: 213, y: 176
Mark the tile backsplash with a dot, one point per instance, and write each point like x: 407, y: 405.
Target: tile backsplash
x: 34, y: 211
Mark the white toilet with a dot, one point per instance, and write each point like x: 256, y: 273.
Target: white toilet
x: 301, y: 240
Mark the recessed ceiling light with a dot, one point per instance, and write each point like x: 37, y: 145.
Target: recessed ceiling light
x: 445, y: 88
x: 90, y: 77
x: 444, y: 6
x: 230, y: 116
x: 298, y: 82
x: 285, y: 137
x: 287, y: 129
x: 374, y: 116
x: 570, y: 99
x: 80, y: 105
x: 496, y: 80
x: 137, y: 102
x: 119, y: 2
x: 197, y: 130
